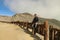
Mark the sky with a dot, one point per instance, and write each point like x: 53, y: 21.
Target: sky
x: 5, y: 10
x: 43, y: 8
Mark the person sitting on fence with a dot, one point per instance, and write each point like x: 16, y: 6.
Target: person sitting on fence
x: 34, y: 24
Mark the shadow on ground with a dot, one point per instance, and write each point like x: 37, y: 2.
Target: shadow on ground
x: 28, y: 32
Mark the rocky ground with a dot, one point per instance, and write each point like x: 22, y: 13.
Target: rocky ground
x: 14, y: 32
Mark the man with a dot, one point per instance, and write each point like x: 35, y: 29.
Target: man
x: 34, y: 23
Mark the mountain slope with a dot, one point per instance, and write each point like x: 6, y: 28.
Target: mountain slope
x: 27, y: 17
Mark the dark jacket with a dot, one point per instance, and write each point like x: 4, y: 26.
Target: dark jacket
x: 35, y: 20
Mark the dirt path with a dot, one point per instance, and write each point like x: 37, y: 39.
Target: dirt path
x: 13, y: 32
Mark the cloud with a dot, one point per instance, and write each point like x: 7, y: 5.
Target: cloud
x: 44, y: 8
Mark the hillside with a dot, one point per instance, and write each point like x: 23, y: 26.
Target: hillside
x: 22, y: 17
x: 30, y: 17
x: 5, y: 18
x: 27, y: 17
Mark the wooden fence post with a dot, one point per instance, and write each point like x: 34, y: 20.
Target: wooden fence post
x: 39, y: 29
x: 22, y: 25
x: 52, y: 34
x: 27, y: 25
x: 46, y: 35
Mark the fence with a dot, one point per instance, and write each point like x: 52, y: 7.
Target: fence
x: 44, y: 29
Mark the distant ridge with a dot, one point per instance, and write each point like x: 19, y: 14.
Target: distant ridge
x: 27, y: 17
x: 5, y: 18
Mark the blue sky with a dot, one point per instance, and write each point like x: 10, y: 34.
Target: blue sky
x: 5, y: 10
x: 43, y: 8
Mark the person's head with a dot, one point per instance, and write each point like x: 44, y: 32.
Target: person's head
x: 35, y: 15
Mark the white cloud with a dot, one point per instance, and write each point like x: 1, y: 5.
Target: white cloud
x: 44, y: 8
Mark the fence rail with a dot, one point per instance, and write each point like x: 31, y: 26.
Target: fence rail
x: 44, y: 29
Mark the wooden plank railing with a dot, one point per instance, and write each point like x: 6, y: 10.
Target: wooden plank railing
x: 44, y: 29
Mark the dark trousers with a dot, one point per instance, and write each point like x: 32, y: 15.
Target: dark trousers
x: 34, y: 28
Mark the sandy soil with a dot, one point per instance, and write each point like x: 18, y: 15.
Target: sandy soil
x: 14, y: 32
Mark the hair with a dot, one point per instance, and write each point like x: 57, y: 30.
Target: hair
x: 35, y: 14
